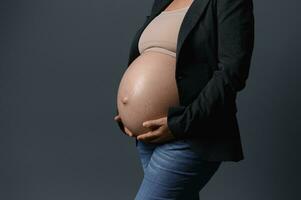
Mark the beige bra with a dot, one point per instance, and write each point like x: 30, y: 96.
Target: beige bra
x: 162, y: 32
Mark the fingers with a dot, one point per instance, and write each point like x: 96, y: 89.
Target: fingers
x: 154, y: 123
x: 117, y: 118
x: 156, y: 127
x: 147, y: 137
x: 156, y: 140
x: 128, y: 132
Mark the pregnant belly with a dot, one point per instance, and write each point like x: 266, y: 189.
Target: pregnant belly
x: 146, y: 90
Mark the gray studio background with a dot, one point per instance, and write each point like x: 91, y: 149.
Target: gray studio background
x: 60, y: 65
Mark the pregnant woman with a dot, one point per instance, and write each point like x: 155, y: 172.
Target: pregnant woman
x: 177, y: 97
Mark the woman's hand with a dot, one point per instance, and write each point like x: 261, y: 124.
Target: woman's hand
x: 160, y: 131
x: 127, y: 131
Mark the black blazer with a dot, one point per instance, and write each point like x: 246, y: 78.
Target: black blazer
x: 214, y: 50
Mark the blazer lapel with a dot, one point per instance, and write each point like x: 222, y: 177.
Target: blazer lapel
x: 192, y: 15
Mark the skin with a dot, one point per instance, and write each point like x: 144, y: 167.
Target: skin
x: 176, y: 4
x: 160, y: 131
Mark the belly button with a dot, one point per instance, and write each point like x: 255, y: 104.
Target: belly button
x: 124, y: 100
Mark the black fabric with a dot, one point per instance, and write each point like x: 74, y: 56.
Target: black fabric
x: 215, y: 46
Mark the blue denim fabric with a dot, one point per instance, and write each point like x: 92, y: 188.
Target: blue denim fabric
x: 172, y: 171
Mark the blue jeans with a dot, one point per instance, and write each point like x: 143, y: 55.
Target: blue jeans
x: 172, y: 171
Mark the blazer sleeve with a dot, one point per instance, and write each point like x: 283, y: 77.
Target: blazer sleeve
x: 235, y: 27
